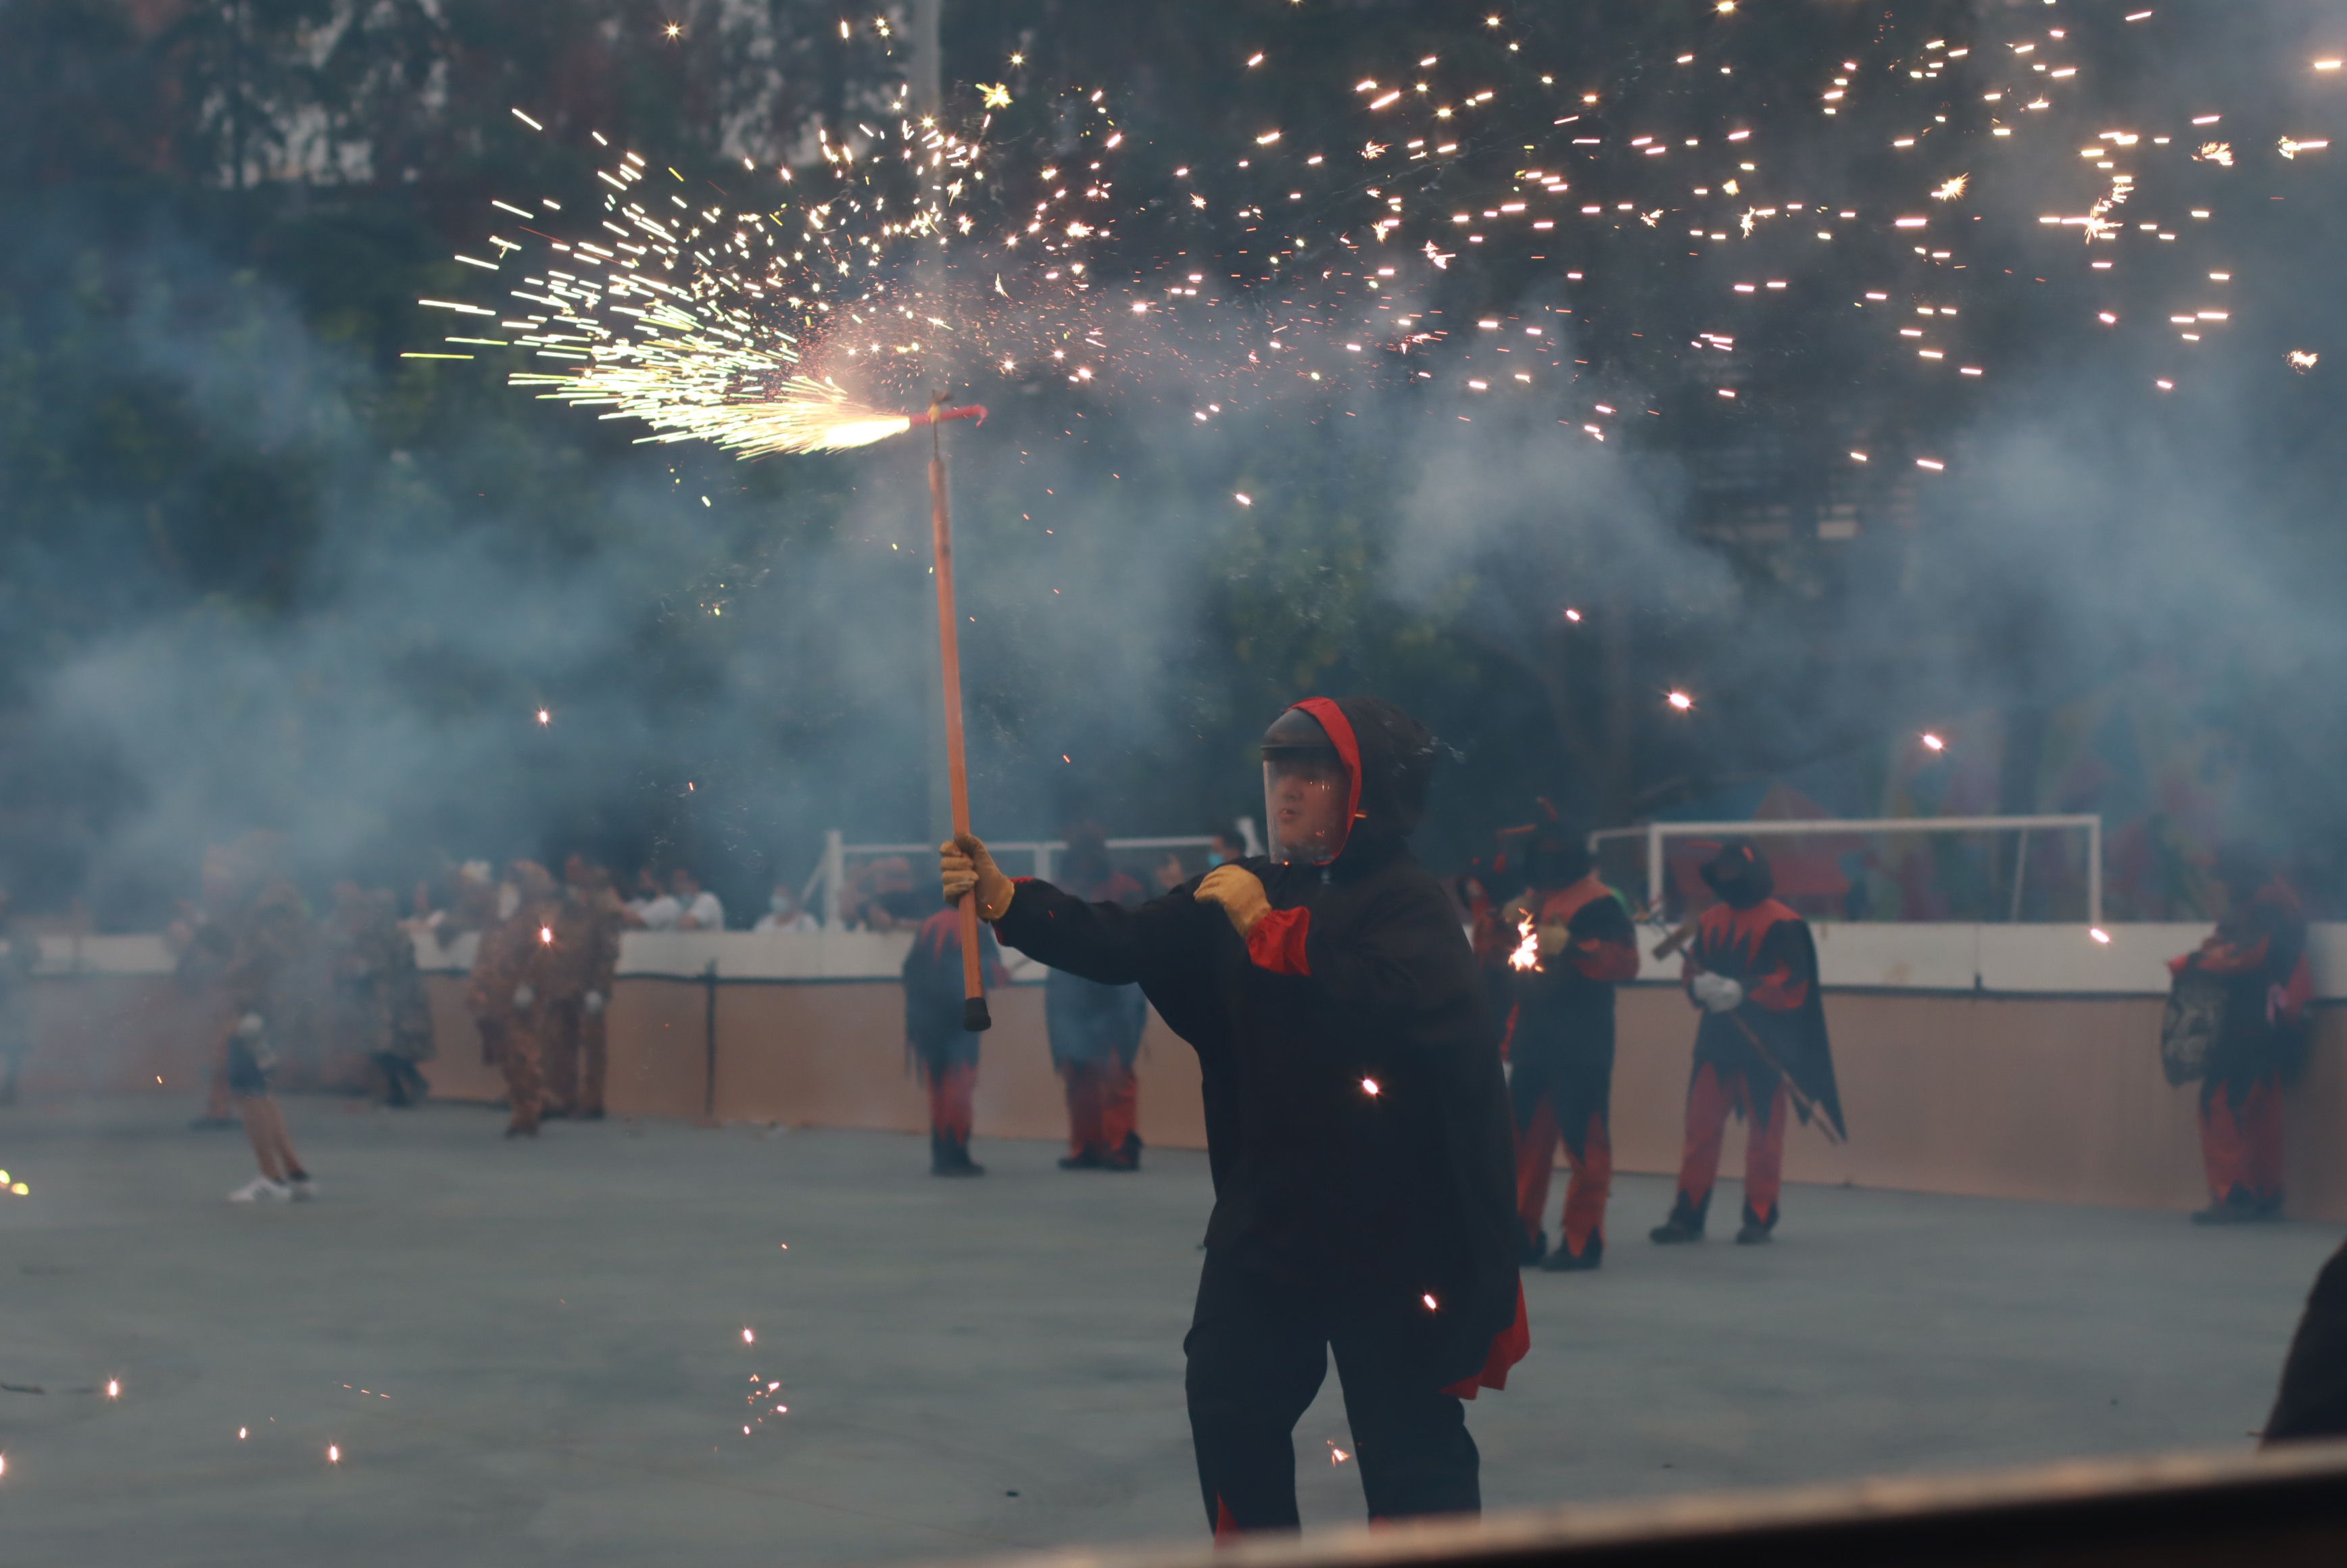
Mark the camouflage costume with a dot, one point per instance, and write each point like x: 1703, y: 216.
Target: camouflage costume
x: 515, y: 974
x: 380, y: 1015
x: 586, y: 959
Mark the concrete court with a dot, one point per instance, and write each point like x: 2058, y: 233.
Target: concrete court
x: 970, y: 1367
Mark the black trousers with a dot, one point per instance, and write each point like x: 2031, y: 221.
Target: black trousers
x: 1258, y: 1349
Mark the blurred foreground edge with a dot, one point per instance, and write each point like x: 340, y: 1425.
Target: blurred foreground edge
x: 2277, y: 1509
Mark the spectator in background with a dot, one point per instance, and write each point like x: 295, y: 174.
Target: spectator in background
x: 784, y: 914
x: 1095, y: 1029
x: 19, y: 951
x: 697, y: 907
x: 652, y: 909
x: 257, y: 992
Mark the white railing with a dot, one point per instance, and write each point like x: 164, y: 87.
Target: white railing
x: 1655, y: 833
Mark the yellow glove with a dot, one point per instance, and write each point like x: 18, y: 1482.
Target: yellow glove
x: 1240, y: 894
x: 965, y: 865
x: 1555, y: 937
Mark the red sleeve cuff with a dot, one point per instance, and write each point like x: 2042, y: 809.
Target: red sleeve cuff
x: 1509, y: 1346
x: 1276, y: 943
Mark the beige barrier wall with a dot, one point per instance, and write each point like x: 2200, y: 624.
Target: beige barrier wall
x: 2057, y: 1099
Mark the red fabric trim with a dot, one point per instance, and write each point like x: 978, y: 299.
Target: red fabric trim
x: 1610, y: 963
x: 1510, y: 1346
x: 1276, y: 943
x: 1349, y: 751
x: 1227, y: 1527
x: 1781, y: 992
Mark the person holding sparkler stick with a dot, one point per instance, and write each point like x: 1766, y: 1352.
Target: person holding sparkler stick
x: 1760, y: 1052
x: 1579, y: 944
x: 1357, y: 1120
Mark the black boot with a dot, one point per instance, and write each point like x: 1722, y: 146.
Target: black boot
x: 1088, y: 1158
x: 2236, y: 1208
x: 1126, y: 1156
x: 1685, y: 1224
x: 949, y: 1156
x: 1756, y: 1231
x: 1533, y: 1249
x: 1564, y: 1260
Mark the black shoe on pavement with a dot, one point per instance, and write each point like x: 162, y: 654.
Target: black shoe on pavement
x: 1091, y: 1157
x: 1751, y: 1233
x: 594, y: 1115
x: 2238, y: 1208
x: 1563, y: 1260
x: 1675, y: 1232
x: 1534, y: 1249
x: 1125, y: 1157
x: 949, y: 1158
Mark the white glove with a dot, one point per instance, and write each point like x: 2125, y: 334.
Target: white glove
x: 1718, y: 993
x: 594, y: 1002
x: 522, y: 997
x: 250, y: 1026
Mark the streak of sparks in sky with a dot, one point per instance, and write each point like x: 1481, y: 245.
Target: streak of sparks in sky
x: 781, y: 309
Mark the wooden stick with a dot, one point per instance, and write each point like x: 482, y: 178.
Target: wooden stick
x: 974, y: 1015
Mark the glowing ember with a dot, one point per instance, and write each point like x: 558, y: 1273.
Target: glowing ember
x: 544, y: 717
x: 333, y: 1454
x: 1953, y: 188
x: 1431, y: 1305
x: 113, y: 1388
x: 2301, y: 361
x: 748, y: 1338
x: 1933, y: 743
x: 546, y: 934
x: 1574, y: 616
x: 1369, y: 1087
x: 1682, y: 702
x: 2099, y: 935
x: 1336, y: 1454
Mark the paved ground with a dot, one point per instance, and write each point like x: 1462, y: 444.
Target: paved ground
x: 970, y: 1368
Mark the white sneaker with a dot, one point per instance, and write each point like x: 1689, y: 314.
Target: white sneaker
x: 259, y: 1188
x: 303, y: 1188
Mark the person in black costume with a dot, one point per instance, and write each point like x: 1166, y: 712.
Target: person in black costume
x: 2312, y: 1400
x: 1560, y: 1048
x: 1357, y: 1120
x: 1752, y: 969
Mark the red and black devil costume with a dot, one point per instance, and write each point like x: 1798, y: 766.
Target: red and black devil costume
x: 2257, y: 956
x: 1561, y: 1049
x: 1095, y: 1029
x: 945, y: 1054
x: 1752, y: 967
x: 1357, y: 1126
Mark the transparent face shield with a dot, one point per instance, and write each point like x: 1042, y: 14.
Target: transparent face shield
x: 1304, y: 800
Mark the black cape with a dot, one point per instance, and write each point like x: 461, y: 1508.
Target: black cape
x: 1321, y: 1180
x: 1752, y: 947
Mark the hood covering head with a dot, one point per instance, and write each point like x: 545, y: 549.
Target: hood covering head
x: 1559, y: 860
x: 1739, y: 874
x: 1386, y: 757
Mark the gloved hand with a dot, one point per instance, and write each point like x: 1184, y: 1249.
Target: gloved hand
x: 1240, y: 894
x: 965, y: 865
x: 522, y: 997
x: 1555, y: 937
x: 1718, y: 993
x: 250, y: 1026
x: 594, y: 1004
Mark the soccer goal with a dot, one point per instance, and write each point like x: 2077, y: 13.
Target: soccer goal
x: 1973, y: 870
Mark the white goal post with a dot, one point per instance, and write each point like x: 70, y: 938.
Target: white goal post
x: 1655, y: 834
